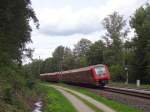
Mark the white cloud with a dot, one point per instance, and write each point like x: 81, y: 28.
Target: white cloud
x: 67, y: 22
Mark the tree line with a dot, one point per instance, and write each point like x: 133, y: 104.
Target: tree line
x: 115, y: 49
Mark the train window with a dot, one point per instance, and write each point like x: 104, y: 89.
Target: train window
x: 100, y: 70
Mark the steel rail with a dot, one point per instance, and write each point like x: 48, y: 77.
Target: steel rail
x: 131, y: 92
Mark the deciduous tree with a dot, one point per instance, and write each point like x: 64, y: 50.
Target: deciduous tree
x: 95, y: 53
x: 140, y: 21
x: 115, y: 33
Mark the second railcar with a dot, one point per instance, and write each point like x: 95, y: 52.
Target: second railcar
x: 51, y: 77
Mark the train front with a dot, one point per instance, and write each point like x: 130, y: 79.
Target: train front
x: 101, y: 74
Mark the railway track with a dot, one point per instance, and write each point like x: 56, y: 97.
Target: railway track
x: 139, y: 99
x: 131, y: 92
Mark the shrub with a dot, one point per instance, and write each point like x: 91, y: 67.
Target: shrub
x: 117, y: 73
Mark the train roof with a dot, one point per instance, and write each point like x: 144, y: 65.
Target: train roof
x: 73, y: 70
x: 54, y: 73
x: 82, y: 69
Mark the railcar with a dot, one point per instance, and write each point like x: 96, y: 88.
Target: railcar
x: 50, y: 77
x: 93, y: 75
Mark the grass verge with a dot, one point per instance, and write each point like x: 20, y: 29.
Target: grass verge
x: 113, y: 104
x: 54, y: 101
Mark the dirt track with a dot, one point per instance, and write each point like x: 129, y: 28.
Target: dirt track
x: 78, y: 104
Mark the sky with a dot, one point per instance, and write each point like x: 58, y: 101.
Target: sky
x: 65, y: 22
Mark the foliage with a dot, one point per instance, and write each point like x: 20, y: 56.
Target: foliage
x: 47, y: 66
x: 14, y: 35
x: 114, y: 25
x: 82, y: 47
x: 80, y: 51
x: 33, y: 69
x: 64, y: 58
x: 68, y: 61
x: 14, y: 89
x: 117, y: 73
x: 15, y: 15
x: 140, y: 22
x: 113, y: 54
x: 58, y: 55
x: 95, y: 53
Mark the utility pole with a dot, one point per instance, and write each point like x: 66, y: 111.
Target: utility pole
x: 127, y: 75
x: 39, y: 66
x: 61, y: 63
x: 126, y: 66
x: 61, y: 66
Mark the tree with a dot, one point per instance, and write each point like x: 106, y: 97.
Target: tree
x: 95, y: 53
x: 15, y: 33
x: 80, y: 51
x: 58, y: 56
x: 48, y: 66
x: 34, y: 68
x: 82, y: 47
x: 129, y: 58
x: 63, y: 58
x: 15, y: 29
x: 117, y: 73
x: 68, y: 60
x: 141, y: 23
x: 115, y: 34
x: 114, y: 25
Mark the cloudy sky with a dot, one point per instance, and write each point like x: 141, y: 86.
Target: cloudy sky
x: 65, y: 22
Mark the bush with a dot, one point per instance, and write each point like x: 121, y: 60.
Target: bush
x: 16, y: 89
x: 117, y: 73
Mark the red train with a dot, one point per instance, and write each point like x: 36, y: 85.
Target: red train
x: 92, y: 75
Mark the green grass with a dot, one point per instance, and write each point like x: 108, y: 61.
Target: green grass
x: 113, y: 104
x: 119, y: 84
x: 54, y: 101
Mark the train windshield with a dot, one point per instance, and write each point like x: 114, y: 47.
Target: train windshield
x: 100, y: 70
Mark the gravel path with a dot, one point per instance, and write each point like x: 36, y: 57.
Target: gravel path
x: 78, y: 104
x: 99, y: 105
